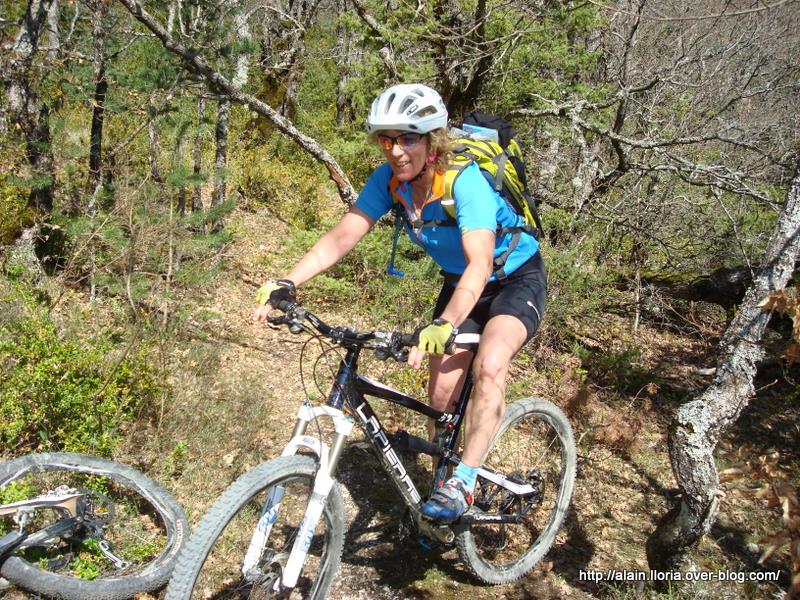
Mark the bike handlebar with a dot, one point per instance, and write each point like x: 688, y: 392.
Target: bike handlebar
x: 386, y: 344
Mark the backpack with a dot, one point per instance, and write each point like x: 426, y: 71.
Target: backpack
x: 490, y: 141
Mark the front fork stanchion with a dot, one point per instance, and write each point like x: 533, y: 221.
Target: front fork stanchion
x: 258, y: 542
x: 335, y: 453
x: 327, y: 459
x: 300, y: 427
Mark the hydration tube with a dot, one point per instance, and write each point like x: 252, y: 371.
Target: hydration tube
x: 390, y: 270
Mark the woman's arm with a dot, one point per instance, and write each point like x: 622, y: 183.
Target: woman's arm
x: 478, y: 248
x: 332, y: 246
x: 328, y: 250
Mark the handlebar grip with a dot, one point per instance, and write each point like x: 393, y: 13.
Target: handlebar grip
x: 408, y: 339
x: 285, y: 305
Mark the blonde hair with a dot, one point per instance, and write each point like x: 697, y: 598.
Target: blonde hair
x: 440, y: 145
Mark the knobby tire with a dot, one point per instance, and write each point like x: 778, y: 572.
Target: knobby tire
x: 535, y: 444
x: 161, y: 506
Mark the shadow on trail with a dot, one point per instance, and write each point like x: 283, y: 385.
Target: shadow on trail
x: 568, y: 559
x: 375, y: 537
x: 378, y: 538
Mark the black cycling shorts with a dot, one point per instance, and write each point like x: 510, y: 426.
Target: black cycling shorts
x: 522, y: 295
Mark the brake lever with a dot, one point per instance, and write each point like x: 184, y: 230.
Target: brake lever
x: 401, y: 355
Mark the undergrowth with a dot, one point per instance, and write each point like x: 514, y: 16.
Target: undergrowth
x: 66, y: 392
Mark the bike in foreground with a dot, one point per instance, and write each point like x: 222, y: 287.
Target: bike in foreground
x: 84, y: 528
x: 278, y: 531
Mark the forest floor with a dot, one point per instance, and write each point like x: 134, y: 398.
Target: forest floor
x: 237, y: 388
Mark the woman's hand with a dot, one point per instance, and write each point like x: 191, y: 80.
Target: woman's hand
x: 271, y: 294
x: 434, y: 339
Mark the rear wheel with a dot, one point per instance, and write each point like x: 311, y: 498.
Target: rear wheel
x: 535, y: 446
x: 211, y: 564
x: 127, y: 545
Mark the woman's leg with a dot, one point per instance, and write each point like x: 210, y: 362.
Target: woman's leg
x: 446, y: 378
x: 502, y: 338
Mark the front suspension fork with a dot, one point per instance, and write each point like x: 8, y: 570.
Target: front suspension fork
x: 327, y: 458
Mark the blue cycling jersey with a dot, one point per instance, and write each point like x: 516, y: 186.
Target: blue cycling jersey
x: 478, y: 206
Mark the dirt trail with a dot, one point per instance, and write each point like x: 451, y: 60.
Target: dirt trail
x: 236, y: 400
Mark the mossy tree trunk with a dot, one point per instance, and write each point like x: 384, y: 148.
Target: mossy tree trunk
x: 699, y: 424
x: 26, y: 109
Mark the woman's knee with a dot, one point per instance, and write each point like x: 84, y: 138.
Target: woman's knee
x: 489, y: 368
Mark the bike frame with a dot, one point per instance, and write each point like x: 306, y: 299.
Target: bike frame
x: 349, y: 391
x: 71, y: 505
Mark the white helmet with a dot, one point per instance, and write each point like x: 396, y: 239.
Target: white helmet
x: 407, y: 107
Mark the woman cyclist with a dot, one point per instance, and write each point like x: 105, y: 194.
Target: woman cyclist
x: 495, y: 281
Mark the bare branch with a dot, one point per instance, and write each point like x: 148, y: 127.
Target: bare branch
x: 199, y: 65
x: 738, y: 13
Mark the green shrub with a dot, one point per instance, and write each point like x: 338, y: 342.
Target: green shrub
x: 579, y: 289
x: 70, y: 394
x: 621, y: 370
x: 15, y: 214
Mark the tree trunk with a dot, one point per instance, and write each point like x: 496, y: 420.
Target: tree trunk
x: 53, y: 37
x: 40, y: 157
x: 154, y: 141
x: 465, y: 94
x: 699, y: 423
x: 224, y: 114
x: 99, y: 29
x: 197, y: 152
x: 221, y: 157
x: 25, y: 109
x: 344, y: 108
x: 180, y: 151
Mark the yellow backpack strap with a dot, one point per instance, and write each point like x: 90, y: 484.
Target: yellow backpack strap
x: 450, y: 176
x: 462, y: 158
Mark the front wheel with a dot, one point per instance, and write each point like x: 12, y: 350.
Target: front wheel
x: 534, y: 446
x: 135, y: 519
x: 211, y: 564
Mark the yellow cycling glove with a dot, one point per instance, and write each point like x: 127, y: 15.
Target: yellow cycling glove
x: 274, y: 292
x: 436, y: 337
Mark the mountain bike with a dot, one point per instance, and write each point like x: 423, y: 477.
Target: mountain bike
x: 278, y: 530
x: 84, y: 528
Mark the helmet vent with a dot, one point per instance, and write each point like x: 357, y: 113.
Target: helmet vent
x: 389, y: 103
